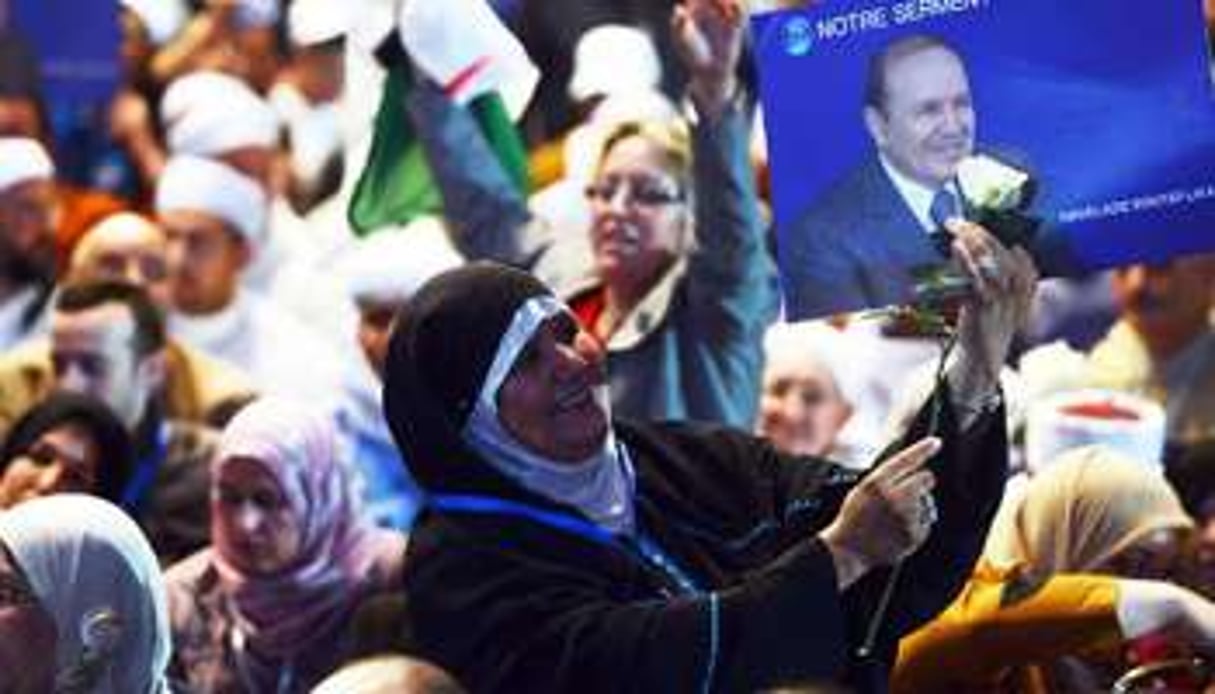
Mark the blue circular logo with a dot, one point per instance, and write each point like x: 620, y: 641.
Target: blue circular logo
x: 797, y: 36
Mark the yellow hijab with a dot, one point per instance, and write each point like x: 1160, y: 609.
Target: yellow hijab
x: 1091, y: 504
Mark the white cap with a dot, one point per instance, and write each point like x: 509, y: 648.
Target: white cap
x: 373, y: 22
x: 808, y: 346
x: 194, y: 184
x: 1125, y: 422
x: 162, y: 19
x: 584, y: 146
x: 252, y: 14
x: 23, y: 159
x: 391, y: 264
x: 312, y: 22
x: 208, y: 113
x: 612, y: 58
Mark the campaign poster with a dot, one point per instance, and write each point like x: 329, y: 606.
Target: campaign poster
x: 869, y: 105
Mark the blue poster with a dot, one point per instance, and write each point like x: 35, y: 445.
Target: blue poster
x: 77, y: 46
x: 870, y: 105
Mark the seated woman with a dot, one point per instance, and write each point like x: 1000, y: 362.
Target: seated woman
x: 66, y: 443
x: 267, y: 607
x: 82, y: 601
x: 1071, y: 571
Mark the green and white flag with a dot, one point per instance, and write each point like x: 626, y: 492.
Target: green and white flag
x: 461, y: 45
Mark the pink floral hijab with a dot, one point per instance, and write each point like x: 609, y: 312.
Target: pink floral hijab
x: 342, y: 556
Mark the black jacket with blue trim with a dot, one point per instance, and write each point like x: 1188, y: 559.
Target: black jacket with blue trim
x: 509, y: 603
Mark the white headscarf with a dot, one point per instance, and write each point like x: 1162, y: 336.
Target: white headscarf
x: 83, y: 555
x: 23, y: 159
x: 161, y: 18
x: 614, y: 59
x: 600, y: 486
x: 312, y: 22
x: 202, y: 185
x: 208, y: 113
x: 391, y: 264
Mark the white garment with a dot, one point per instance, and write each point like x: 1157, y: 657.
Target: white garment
x: 465, y: 48
x: 82, y: 555
x: 162, y: 19
x: 391, y: 264
x: 314, y: 129
x: 191, y: 183
x: 280, y: 354
x: 208, y: 113
x: 293, y: 269
x: 23, y: 159
x: 885, y: 368
x: 12, y: 311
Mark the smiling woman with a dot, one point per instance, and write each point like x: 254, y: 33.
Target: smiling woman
x: 553, y: 399
x: 677, y: 285
x: 562, y: 548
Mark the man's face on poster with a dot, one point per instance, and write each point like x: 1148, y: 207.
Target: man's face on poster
x: 925, y: 124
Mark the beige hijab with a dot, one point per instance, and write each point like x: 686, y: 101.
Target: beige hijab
x: 1082, y: 510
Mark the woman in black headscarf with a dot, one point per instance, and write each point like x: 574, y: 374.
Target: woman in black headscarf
x: 66, y: 443
x: 564, y: 551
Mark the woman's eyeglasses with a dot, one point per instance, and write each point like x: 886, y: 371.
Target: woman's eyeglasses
x: 644, y: 192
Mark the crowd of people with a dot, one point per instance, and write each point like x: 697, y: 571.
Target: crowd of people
x: 549, y: 436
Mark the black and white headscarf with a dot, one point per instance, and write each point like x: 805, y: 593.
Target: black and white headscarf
x: 454, y: 345
x: 600, y: 486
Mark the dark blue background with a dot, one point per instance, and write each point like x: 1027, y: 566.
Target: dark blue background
x: 1106, y: 98
x: 77, y: 46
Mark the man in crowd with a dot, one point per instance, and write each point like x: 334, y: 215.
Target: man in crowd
x: 108, y: 341
x: 130, y: 248
x: 214, y: 218
x: 216, y: 116
x: 27, y: 238
x: 382, y: 271
x: 1163, y: 344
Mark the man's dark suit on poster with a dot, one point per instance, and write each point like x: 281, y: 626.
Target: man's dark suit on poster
x: 854, y: 248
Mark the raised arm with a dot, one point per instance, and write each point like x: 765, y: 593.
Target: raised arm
x: 487, y: 214
x: 731, y: 277
x: 967, y: 414
x: 1004, y: 281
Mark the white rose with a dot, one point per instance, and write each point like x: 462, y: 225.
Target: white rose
x: 990, y: 184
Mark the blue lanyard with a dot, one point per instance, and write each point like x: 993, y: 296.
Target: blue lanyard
x: 145, y: 472
x: 641, y: 545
